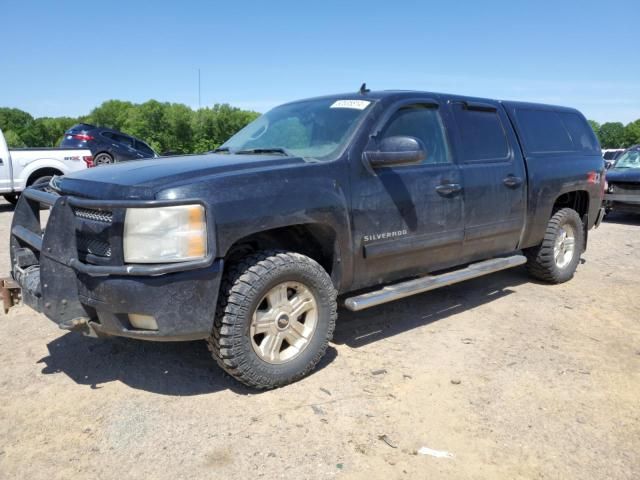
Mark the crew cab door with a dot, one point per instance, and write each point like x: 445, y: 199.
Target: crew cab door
x: 407, y: 219
x: 494, y: 178
x: 5, y: 166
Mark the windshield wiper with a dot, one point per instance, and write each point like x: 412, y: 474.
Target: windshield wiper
x: 279, y: 150
x: 220, y: 150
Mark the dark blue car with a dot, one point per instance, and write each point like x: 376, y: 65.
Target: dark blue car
x: 106, y: 145
x: 623, y: 190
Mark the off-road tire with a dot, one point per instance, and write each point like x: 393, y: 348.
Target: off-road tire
x: 243, y: 286
x: 541, y: 263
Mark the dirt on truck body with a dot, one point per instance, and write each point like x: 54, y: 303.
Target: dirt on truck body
x: 373, y: 197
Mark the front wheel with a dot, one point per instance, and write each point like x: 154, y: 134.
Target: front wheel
x: 276, y: 314
x: 555, y: 260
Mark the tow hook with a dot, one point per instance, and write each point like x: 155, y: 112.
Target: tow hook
x: 11, y: 293
x: 79, y: 324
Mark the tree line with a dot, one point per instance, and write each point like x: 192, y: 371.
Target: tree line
x: 166, y: 127
x: 616, y: 134
x: 174, y: 127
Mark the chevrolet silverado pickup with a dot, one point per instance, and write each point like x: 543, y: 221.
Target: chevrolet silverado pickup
x: 366, y: 197
x: 23, y: 167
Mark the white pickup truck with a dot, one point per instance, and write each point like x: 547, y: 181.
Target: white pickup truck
x: 22, y: 167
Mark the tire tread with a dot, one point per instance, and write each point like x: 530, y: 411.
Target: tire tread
x: 236, y: 292
x: 540, y: 260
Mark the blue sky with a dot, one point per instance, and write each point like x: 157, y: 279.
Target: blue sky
x: 66, y: 57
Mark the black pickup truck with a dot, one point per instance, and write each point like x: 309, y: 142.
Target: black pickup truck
x: 373, y: 196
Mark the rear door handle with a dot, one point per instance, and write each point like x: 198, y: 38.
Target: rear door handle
x: 448, y: 189
x: 512, y: 181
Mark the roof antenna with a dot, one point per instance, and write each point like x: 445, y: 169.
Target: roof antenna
x: 363, y: 89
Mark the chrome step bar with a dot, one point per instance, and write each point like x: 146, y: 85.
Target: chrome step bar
x: 431, y: 282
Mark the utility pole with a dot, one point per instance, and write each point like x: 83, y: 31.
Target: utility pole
x: 199, y: 96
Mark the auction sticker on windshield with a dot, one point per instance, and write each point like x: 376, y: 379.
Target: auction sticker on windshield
x: 355, y: 104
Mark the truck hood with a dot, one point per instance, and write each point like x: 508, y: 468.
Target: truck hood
x: 623, y: 175
x: 142, y: 179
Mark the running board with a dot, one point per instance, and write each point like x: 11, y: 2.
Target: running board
x: 431, y: 282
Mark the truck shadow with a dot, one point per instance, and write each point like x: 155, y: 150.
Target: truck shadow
x: 357, y: 329
x: 166, y: 368
x: 186, y: 368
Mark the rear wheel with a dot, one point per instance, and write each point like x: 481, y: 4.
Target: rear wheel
x: 103, y: 159
x: 275, y: 317
x: 555, y: 260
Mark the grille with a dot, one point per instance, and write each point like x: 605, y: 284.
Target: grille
x: 93, y: 245
x: 104, y: 216
x: 625, y: 188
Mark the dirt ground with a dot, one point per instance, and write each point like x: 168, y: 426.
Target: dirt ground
x: 514, y: 379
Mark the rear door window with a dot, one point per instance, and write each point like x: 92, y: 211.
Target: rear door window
x: 550, y: 131
x: 580, y: 132
x: 482, y: 133
x: 128, y: 141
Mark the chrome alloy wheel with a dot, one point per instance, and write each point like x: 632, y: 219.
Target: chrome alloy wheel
x: 284, y: 322
x: 565, y: 246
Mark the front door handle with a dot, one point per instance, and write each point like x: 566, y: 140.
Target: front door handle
x: 448, y: 189
x: 512, y: 181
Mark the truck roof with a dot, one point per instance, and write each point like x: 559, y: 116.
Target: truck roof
x: 402, y: 94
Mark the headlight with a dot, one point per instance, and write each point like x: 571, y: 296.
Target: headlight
x: 165, y: 234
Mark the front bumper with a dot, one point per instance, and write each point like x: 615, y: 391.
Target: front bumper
x: 96, y: 294
x: 622, y: 202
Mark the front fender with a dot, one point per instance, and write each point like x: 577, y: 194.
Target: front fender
x: 247, y: 203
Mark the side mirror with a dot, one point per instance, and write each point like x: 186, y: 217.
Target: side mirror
x: 399, y: 150
x: 608, y: 164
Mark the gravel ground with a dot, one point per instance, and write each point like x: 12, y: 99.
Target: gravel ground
x: 513, y: 378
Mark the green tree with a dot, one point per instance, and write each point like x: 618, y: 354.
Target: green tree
x: 203, y: 126
x: 611, y: 135
x: 54, y: 129
x: 213, y: 126
x: 35, y: 134
x: 165, y: 126
x: 179, y: 135
x: 112, y: 114
x: 13, y: 139
x: 14, y: 119
x: 148, y: 121
x: 632, y: 133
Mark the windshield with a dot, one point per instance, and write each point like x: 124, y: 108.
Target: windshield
x: 316, y: 129
x: 630, y: 159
